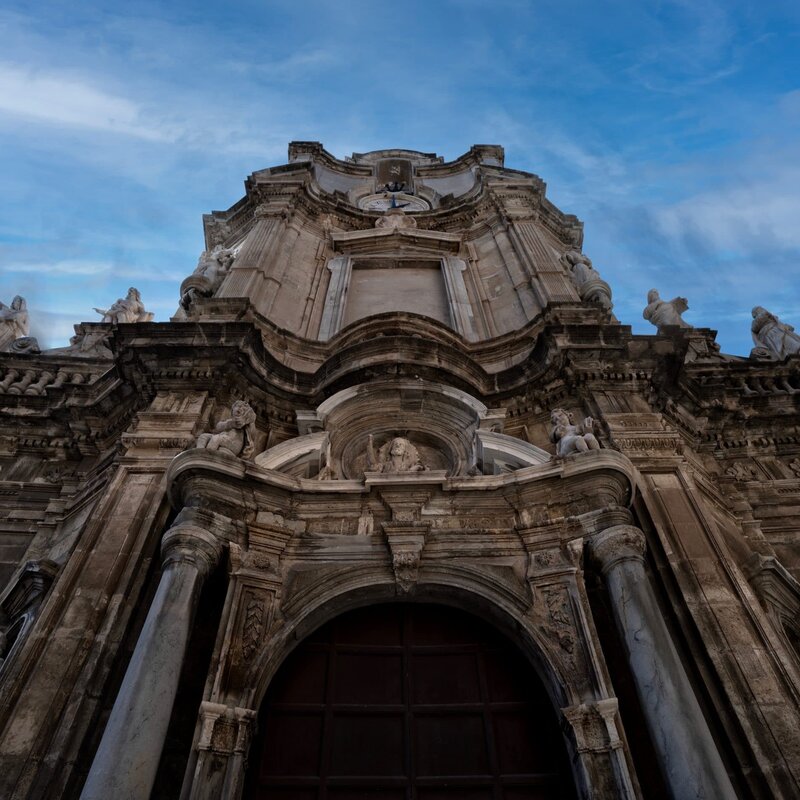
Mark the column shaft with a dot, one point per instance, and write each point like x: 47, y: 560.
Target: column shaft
x: 690, y: 760
x: 129, y: 753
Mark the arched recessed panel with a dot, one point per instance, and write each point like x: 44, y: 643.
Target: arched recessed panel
x: 407, y: 701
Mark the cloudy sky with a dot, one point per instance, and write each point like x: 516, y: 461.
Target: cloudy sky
x: 672, y: 129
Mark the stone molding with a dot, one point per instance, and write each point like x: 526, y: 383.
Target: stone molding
x: 186, y: 543
x: 618, y: 544
x: 225, y: 729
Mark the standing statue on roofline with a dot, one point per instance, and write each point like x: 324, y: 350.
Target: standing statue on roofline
x: 127, y: 309
x: 773, y: 335
x: 14, y: 322
x: 665, y: 312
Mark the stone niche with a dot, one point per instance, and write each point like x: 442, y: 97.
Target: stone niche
x: 453, y: 433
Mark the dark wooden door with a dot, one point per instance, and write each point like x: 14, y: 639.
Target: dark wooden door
x: 395, y: 702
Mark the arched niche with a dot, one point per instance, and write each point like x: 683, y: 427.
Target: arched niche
x: 392, y: 697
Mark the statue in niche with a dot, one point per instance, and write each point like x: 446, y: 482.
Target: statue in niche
x: 570, y: 438
x: 211, y: 269
x: 665, y: 312
x: 127, y: 309
x: 773, y: 335
x: 397, y: 455
x: 587, y: 279
x: 14, y: 322
x: 236, y: 435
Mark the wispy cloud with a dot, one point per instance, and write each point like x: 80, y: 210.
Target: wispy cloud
x: 57, y: 99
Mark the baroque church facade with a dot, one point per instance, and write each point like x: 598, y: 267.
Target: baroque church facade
x: 395, y: 507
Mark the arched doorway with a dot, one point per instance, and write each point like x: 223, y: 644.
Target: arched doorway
x: 407, y: 701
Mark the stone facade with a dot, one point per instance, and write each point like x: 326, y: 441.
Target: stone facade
x: 395, y: 379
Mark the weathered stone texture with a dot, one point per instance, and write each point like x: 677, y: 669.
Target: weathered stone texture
x: 499, y: 444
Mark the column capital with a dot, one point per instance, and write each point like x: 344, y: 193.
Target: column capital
x: 617, y: 544
x: 186, y: 543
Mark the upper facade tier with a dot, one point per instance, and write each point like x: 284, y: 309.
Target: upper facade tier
x: 320, y: 243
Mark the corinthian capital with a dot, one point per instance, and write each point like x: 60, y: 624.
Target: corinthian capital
x: 620, y: 543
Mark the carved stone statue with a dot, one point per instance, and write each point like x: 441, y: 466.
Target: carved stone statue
x: 665, y: 312
x: 211, y: 269
x: 587, y: 279
x: 235, y: 435
x: 127, y: 309
x: 14, y: 322
x: 397, y: 455
x: 772, y: 334
x: 571, y: 438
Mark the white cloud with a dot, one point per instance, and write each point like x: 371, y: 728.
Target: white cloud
x: 58, y: 99
x: 741, y: 216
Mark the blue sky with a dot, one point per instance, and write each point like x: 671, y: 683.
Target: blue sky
x: 672, y: 129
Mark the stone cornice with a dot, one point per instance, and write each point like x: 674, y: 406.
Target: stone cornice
x: 604, y: 478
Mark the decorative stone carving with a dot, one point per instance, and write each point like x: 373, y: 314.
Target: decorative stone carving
x: 397, y: 455
x: 14, y: 322
x: 794, y: 466
x: 559, y: 618
x: 395, y: 218
x: 406, y: 542
x: 665, y: 312
x: 587, y: 279
x: 742, y: 472
x: 127, y: 309
x: 252, y: 628
x: 211, y: 269
x: 24, y: 346
x: 570, y: 438
x: 620, y: 543
x: 773, y: 335
x: 235, y: 435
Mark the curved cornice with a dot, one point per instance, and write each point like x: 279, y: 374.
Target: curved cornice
x: 603, y: 478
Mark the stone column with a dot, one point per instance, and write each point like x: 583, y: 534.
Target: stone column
x: 689, y: 758
x: 127, y: 759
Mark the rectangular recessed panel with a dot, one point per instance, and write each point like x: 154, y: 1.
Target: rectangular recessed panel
x: 455, y: 793
x: 513, y: 732
x: 508, y: 679
x: 366, y: 794
x: 367, y: 745
x: 292, y: 744
x: 295, y: 793
x: 369, y: 678
x: 373, y: 625
x: 415, y: 286
x: 445, y: 678
x: 303, y: 681
x: 546, y: 791
x: 450, y: 744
